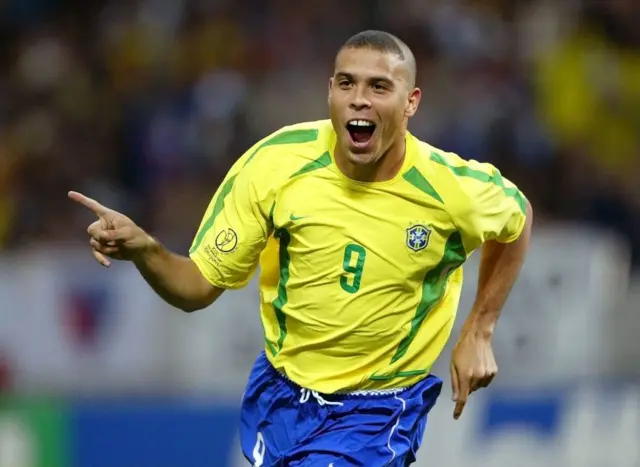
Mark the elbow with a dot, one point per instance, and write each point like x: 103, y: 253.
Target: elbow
x: 529, y: 221
x: 191, y: 307
x: 205, y: 299
x: 194, y: 305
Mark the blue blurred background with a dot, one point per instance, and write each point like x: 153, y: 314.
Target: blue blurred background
x: 144, y: 104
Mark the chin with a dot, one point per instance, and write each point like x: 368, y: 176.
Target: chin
x: 359, y: 158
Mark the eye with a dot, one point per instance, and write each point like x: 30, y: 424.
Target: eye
x: 344, y: 84
x: 379, y: 87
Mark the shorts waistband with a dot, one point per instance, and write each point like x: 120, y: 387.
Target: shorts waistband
x: 360, y: 393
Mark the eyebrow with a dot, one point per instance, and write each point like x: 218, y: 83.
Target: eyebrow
x: 371, y: 79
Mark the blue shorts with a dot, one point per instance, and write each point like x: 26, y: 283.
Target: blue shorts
x: 285, y: 425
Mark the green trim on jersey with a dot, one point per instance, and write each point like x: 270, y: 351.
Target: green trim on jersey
x: 398, y: 374
x: 270, y: 346
x: 217, y: 209
x: 320, y: 163
x: 282, y: 299
x: 287, y: 137
x: 273, y: 208
x: 433, y: 288
x: 495, y: 178
x: 414, y: 177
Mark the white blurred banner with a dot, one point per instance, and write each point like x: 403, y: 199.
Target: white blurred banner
x: 67, y: 324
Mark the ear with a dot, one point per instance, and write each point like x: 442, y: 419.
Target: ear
x: 330, y: 87
x: 413, y: 102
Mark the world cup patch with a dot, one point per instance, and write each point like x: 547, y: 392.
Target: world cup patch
x: 227, y: 240
x: 418, y: 237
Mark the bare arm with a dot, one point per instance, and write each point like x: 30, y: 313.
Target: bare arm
x: 473, y: 364
x: 499, y: 268
x: 175, y: 278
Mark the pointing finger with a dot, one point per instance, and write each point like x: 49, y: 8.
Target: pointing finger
x: 454, y: 383
x: 462, y: 397
x: 457, y: 411
x: 89, y: 203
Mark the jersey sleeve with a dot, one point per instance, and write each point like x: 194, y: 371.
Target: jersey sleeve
x: 235, y: 227
x: 494, y: 208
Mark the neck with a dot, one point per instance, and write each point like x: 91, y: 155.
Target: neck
x: 385, y: 168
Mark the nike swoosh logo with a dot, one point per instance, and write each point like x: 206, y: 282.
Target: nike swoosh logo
x: 296, y: 218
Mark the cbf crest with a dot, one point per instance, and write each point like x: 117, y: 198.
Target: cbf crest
x: 418, y: 237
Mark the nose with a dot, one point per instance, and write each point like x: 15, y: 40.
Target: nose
x: 359, y: 100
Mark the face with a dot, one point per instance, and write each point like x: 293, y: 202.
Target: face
x: 371, y: 97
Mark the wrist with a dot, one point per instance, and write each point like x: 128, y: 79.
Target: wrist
x: 150, y: 247
x: 481, y: 324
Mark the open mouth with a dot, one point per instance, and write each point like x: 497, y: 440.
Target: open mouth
x: 361, y: 131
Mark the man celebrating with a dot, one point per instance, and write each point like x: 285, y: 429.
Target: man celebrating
x: 360, y: 230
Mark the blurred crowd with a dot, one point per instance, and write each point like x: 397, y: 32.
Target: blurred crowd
x: 144, y: 104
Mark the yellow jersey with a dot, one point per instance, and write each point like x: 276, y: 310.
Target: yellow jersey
x: 359, y: 282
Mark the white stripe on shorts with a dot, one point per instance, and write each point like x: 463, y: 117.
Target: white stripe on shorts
x: 404, y: 407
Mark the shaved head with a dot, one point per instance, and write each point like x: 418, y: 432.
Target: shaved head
x: 372, y: 96
x: 387, y: 43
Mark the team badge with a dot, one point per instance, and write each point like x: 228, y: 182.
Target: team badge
x: 418, y: 237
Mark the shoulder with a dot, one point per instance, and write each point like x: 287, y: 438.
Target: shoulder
x: 468, y: 182
x: 291, y: 143
x: 441, y: 168
x: 458, y: 181
x: 452, y: 172
x: 287, y: 150
x: 450, y: 164
x: 297, y: 138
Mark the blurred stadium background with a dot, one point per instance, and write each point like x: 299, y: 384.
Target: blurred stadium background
x: 144, y: 104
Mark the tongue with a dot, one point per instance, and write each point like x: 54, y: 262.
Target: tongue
x: 361, y: 136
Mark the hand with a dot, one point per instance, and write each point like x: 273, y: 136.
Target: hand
x: 113, y: 235
x: 473, y: 366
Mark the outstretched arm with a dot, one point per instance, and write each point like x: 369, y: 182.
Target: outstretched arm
x: 225, y: 252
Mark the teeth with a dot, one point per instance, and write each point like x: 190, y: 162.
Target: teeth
x: 360, y: 123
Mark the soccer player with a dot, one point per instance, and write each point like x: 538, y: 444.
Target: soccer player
x: 360, y: 230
